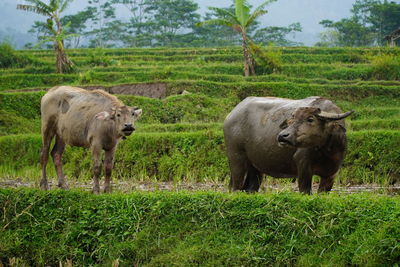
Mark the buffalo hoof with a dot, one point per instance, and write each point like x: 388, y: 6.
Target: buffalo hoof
x: 44, y: 185
x: 107, y: 189
x: 63, y: 186
x: 96, y: 190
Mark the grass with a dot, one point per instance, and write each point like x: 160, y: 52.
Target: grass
x: 195, y: 156
x: 206, y: 229
x: 179, y: 140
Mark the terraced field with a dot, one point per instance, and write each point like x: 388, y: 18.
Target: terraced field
x: 179, y: 137
x: 185, y: 95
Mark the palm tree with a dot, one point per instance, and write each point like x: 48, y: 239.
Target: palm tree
x: 240, y: 21
x: 57, y: 34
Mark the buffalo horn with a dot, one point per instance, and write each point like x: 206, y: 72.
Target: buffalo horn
x: 334, y: 116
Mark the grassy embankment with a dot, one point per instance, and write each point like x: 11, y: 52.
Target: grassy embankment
x: 192, y: 229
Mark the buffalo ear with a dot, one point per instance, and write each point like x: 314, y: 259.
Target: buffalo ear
x: 284, y: 124
x: 137, y: 112
x: 113, y: 112
x: 104, y: 115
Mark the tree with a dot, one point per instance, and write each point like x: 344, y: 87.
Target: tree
x: 168, y: 18
x: 370, y: 22
x: 137, y: 28
x: 77, y: 24
x: 54, y: 27
x: 241, y: 20
x: 384, y: 18
x: 277, y: 35
x: 106, y: 29
x: 212, y: 35
x: 329, y: 38
x: 350, y: 32
x: 42, y: 33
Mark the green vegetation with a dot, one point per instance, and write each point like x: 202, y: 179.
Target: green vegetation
x: 53, y: 29
x: 386, y: 67
x: 370, y: 22
x: 9, y: 58
x: 180, y: 137
x: 206, y: 229
x: 197, y: 156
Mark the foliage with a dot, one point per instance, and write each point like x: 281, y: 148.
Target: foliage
x: 136, y: 27
x: 370, y: 22
x: 168, y: 17
x: 207, y: 229
x: 53, y: 27
x: 10, y: 59
x: 240, y: 21
x: 11, y: 123
x: 386, y: 67
x: 277, y: 35
x: 268, y: 61
x: 77, y: 25
x: 97, y: 57
x: 105, y: 29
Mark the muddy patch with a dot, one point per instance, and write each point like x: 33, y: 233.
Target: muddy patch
x: 152, y: 90
x: 130, y: 186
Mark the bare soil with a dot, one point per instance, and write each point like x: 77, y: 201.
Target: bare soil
x: 131, y: 186
x: 152, y: 90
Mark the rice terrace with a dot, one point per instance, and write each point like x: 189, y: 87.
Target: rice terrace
x: 173, y: 194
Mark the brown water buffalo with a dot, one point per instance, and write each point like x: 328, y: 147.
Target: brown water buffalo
x: 285, y: 138
x: 91, y: 119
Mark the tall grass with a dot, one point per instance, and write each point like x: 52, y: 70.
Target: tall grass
x: 198, y: 229
x: 386, y: 67
x: 196, y: 157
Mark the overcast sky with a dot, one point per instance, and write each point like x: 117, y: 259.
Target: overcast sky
x: 281, y: 13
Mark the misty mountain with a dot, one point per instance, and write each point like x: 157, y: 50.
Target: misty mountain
x: 14, y: 24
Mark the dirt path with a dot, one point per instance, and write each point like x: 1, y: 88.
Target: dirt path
x: 126, y: 187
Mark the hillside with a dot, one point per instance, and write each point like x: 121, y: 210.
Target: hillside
x: 185, y: 95
x: 179, y: 137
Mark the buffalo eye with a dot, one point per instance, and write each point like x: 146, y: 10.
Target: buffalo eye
x: 118, y: 115
x: 310, y: 119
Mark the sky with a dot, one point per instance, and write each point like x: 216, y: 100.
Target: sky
x: 281, y: 13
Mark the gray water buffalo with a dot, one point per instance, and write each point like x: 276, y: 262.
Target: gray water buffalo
x: 90, y: 119
x: 285, y: 138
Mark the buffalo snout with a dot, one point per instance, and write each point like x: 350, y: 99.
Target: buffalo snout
x: 128, y: 129
x: 284, y: 139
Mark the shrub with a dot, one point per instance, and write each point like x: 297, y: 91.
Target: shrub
x: 386, y: 67
x: 267, y: 62
x: 12, y: 124
x: 98, y: 57
x: 10, y: 59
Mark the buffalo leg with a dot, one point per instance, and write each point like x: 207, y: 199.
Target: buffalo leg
x: 253, y: 180
x: 305, y: 183
x: 56, y: 154
x: 305, y: 180
x: 304, y: 171
x: 239, y: 167
x: 47, y: 136
x: 326, y: 184
x: 96, y: 154
x: 108, y: 165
